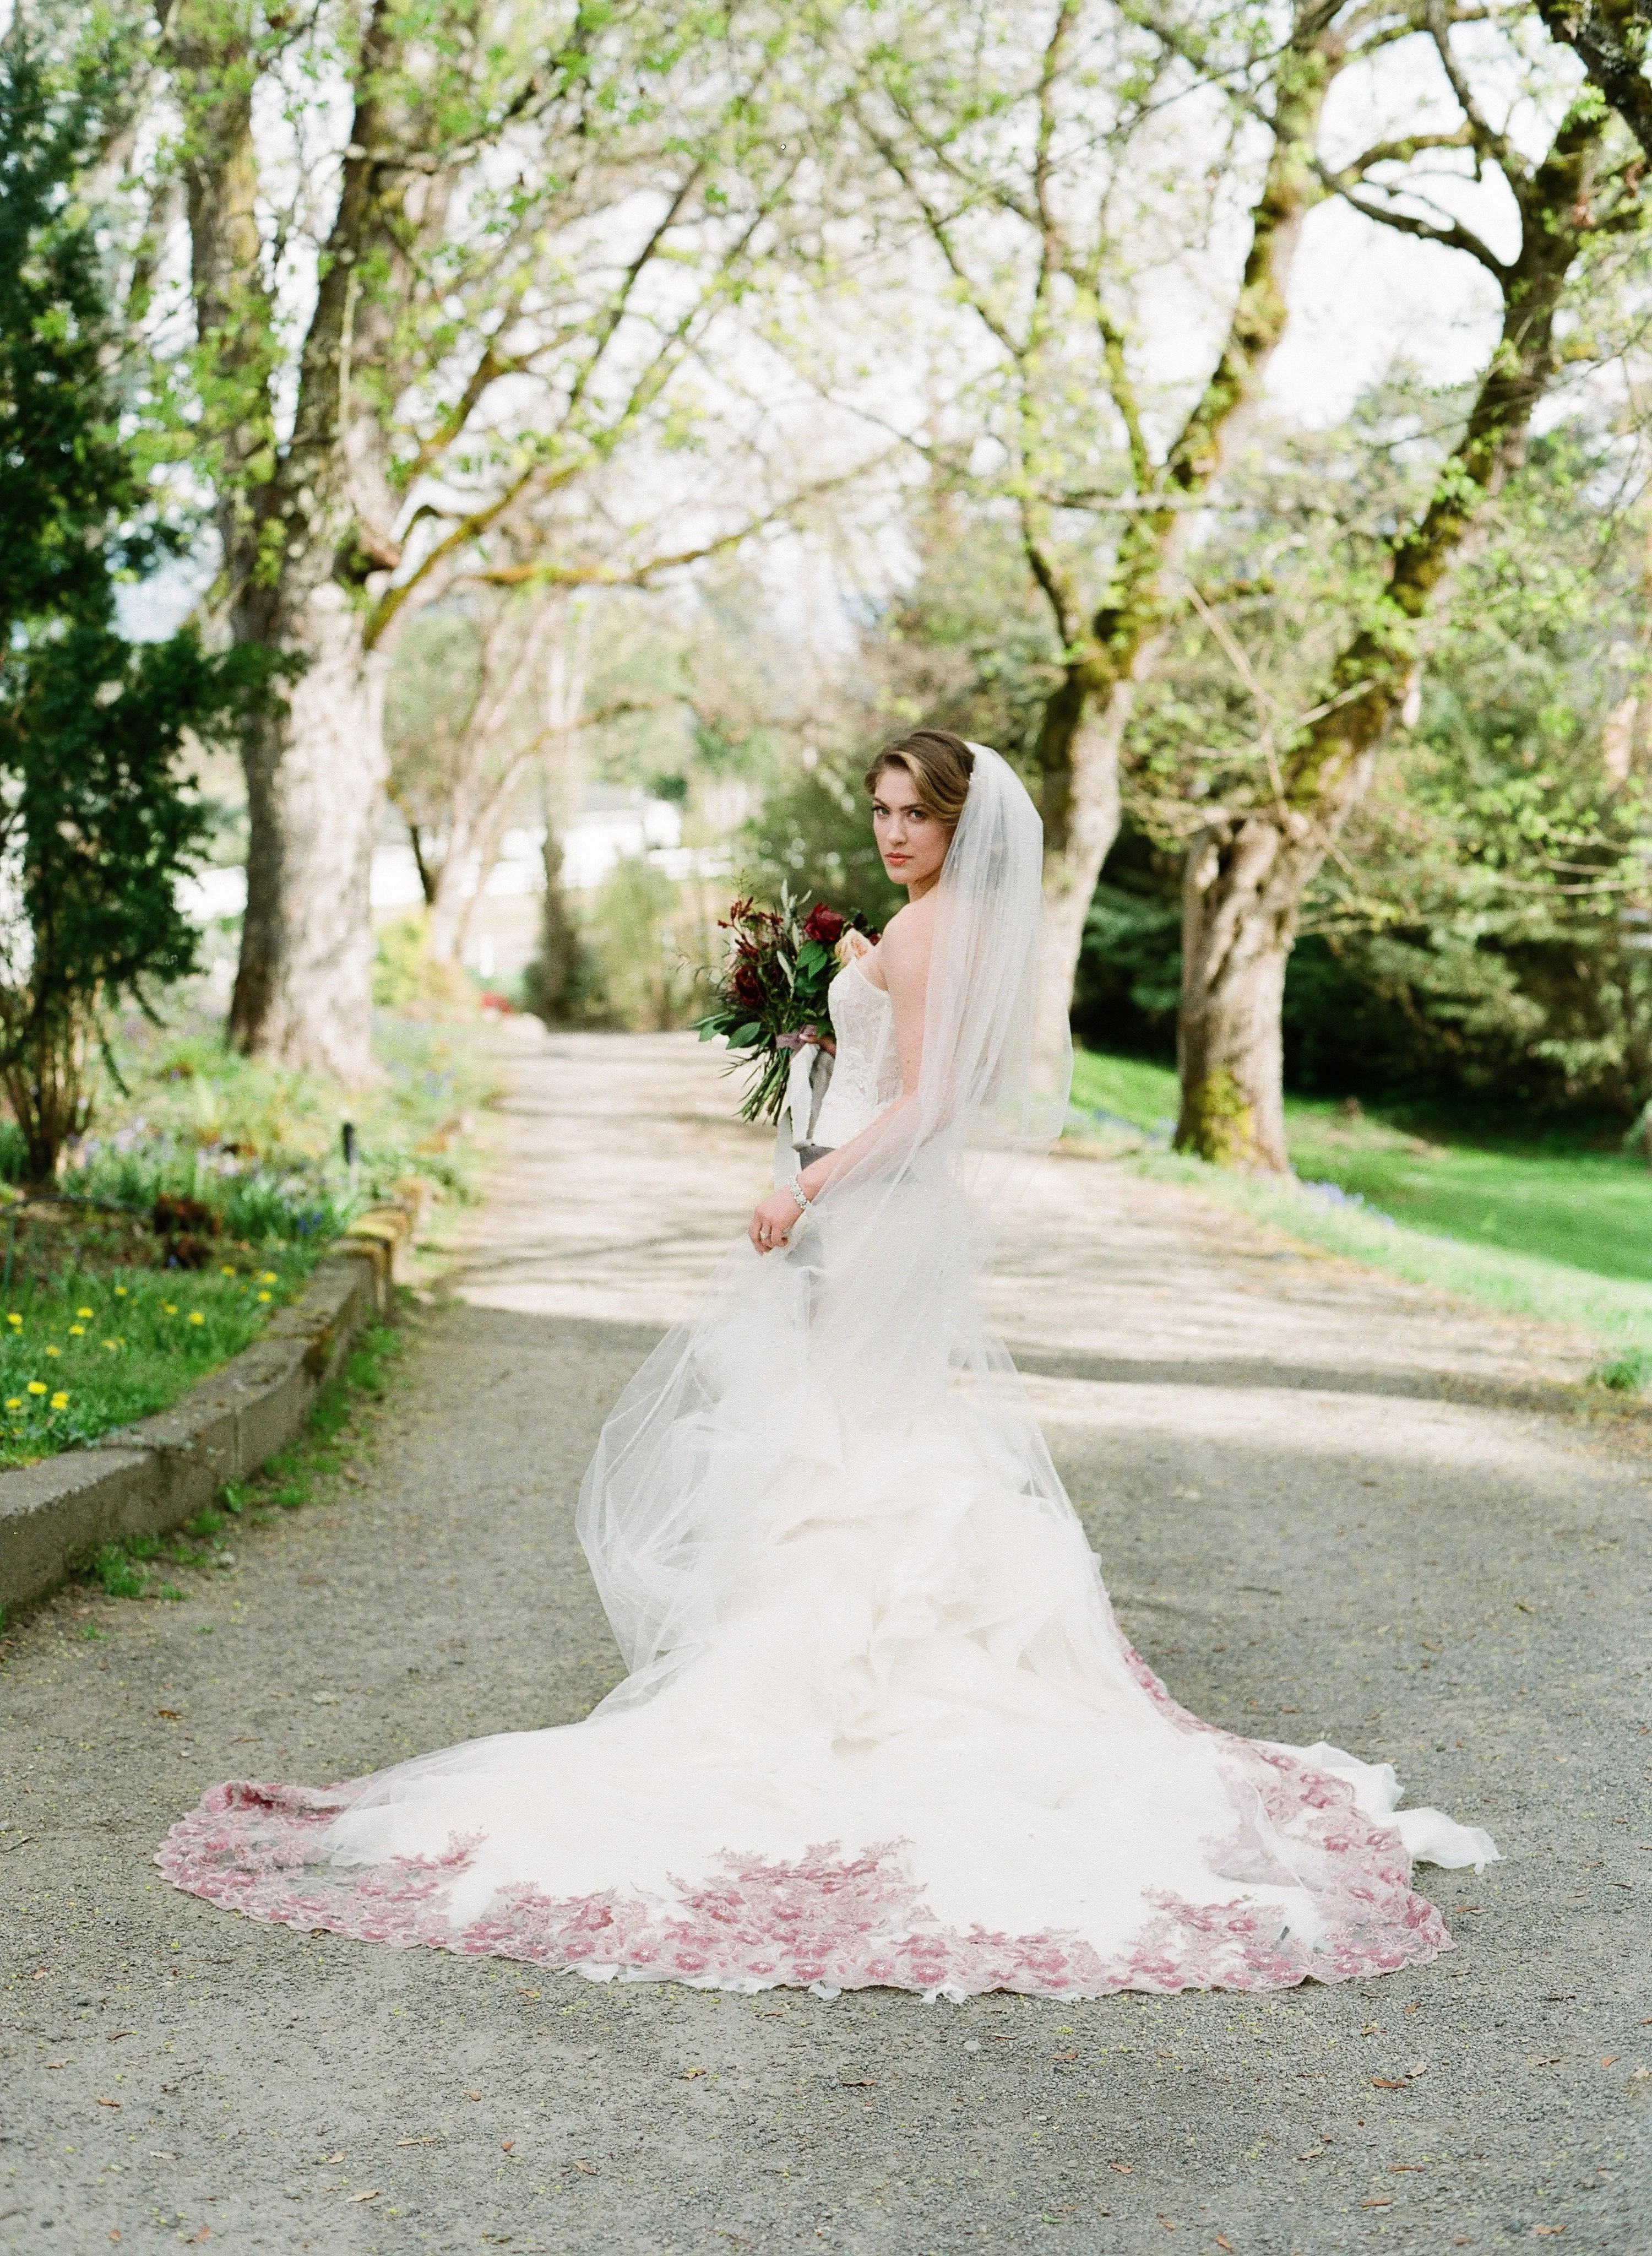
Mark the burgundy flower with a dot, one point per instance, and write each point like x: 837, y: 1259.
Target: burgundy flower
x: 825, y: 925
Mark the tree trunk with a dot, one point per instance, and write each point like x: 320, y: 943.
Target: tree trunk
x: 1244, y: 878
x: 559, y: 941
x: 304, y: 526
x: 1079, y: 753
x: 315, y: 782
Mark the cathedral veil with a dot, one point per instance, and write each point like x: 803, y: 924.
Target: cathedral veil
x: 870, y: 1314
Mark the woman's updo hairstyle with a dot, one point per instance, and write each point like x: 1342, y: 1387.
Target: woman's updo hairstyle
x: 940, y: 766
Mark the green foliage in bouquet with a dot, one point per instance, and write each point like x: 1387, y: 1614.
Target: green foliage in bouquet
x: 773, y: 987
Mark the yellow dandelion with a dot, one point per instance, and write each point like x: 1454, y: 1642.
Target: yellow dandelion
x: 169, y: 1307
x: 14, y: 1402
x: 229, y: 1269
x: 120, y: 1291
x: 112, y: 1345
x: 196, y: 1317
x: 82, y: 1312
x: 55, y: 1351
x: 264, y: 1296
x: 268, y: 1278
x: 77, y: 1331
x: 60, y: 1401
x: 37, y: 1386
x: 14, y: 1320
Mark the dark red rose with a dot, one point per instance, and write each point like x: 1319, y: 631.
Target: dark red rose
x: 825, y: 925
x: 748, y: 987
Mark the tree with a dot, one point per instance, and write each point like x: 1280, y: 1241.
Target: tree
x: 477, y: 700
x: 531, y: 225
x: 1250, y: 862
x: 1034, y: 157
x: 1478, y: 935
x: 96, y: 826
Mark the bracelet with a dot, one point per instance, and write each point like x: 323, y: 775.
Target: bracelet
x: 799, y: 1193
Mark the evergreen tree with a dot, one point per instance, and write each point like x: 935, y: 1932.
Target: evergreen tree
x: 96, y: 822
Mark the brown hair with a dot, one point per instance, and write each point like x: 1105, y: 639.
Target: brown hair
x: 940, y: 766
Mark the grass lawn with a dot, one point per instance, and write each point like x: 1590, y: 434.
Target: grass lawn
x: 85, y: 1350
x: 1547, y: 1225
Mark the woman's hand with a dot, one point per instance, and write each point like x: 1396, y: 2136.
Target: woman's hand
x: 774, y: 1221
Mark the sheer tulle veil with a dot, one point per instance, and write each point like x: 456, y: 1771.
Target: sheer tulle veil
x: 868, y: 1324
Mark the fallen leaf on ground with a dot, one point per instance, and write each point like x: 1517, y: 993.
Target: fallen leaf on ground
x: 505, y: 2145
x: 1383, y: 2201
x: 1393, y: 2167
x: 1222, y: 2241
x: 116, y: 2103
x: 371, y: 2194
x: 331, y: 2158
x: 114, y: 2035
x: 1167, y: 2222
x: 429, y: 2139
x: 57, y: 2063
x: 473, y: 2094
x: 588, y: 2168
x: 1123, y: 2168
x: 688, y: 2074
x: 1387, y: 2083
x: 170, y: 1715
x: 1067, y: 2055
x: 1549, y: 2231
x: 859, y: 2083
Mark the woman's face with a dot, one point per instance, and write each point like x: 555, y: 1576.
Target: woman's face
x: 912, y: 841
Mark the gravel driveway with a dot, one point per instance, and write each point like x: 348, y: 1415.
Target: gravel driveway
x: 1322, y: 1509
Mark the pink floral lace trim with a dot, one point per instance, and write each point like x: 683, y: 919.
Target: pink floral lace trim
x: 847, y: 1923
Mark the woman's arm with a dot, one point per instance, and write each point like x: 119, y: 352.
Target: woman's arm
x: 904, y: 959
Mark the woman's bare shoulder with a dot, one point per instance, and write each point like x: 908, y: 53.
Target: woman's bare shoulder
x: 911, y: 927
x: 908, y: 938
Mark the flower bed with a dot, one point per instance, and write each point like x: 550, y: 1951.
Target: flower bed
x: 87, y: 1349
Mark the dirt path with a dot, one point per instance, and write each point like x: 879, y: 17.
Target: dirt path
x: 1318, y: 1516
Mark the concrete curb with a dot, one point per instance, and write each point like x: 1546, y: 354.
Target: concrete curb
x: 148, y: 1478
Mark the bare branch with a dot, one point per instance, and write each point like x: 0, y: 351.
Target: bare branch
x: 1452, y: 236
x: 1488, y: 142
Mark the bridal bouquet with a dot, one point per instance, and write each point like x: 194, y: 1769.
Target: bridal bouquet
x: 771, y: 991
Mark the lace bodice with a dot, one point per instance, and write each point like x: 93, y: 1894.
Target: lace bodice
x: 866, y: 1075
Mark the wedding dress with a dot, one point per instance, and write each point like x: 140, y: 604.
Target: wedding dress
x: 880, y: 1725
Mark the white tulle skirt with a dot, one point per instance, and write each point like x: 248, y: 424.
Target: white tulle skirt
x: 914, y: 1750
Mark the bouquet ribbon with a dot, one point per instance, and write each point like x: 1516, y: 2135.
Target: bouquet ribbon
x: 795, y: 1041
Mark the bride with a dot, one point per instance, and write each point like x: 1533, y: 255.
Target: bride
x: 880, y: 1725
